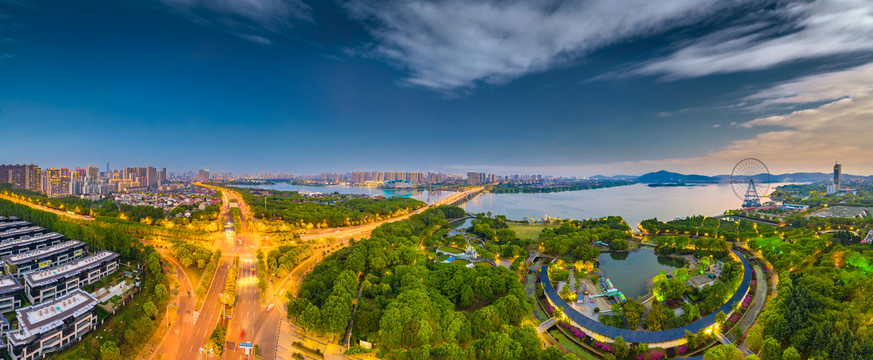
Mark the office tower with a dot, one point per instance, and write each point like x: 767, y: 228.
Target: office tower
x: 21, y: 176
x: 93, y: 173
x: 838, y: 176
x: 204, y: 175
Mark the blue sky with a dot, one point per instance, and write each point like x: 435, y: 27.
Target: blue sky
x: 509, y: 86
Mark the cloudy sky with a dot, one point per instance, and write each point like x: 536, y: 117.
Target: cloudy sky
x: 507, y: 86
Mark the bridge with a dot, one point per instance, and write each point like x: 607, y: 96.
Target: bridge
x: 467, y: 196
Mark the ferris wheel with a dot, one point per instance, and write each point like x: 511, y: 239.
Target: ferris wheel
x: 750, y: 179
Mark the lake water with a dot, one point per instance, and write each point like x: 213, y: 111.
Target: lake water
x: 429, y: 196
x: 634, y: 203
x: 631, y: 271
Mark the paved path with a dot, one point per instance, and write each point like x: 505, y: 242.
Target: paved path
x: 546, y: 324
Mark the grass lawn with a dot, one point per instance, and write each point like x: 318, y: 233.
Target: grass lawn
x: 577, y: 350
x: 441, y: 258
x: 484, y: 263
x: 461, y: 262
x: 450, y: 249
x: 529, y: 231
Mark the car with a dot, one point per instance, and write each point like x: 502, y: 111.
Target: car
x: 270, y: 307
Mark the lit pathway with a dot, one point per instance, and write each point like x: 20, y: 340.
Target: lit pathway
x: 546, y: 324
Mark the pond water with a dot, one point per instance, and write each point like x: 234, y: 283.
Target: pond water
x: 631, y: 271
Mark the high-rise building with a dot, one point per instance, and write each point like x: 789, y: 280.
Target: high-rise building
x: 162, y: 177
x: 475, y: 178
x: 204, y: 175
x: 93, y: 173
x: 838, y: 176
x: 21, y: 176
x: 78, y: 174
x: 55, y: 184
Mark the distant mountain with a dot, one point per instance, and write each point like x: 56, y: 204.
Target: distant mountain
x: 663, y: 176
x: 616, y: 177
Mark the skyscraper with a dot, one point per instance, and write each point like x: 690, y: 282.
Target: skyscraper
x: 838, y: 176
x: 204, y: 175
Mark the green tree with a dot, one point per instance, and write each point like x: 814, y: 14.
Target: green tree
x: 621, y: 348
x: 790, y: 354
x: 770, y: 349
x: 161, y: 292
x: 150, y: 309
x: 720, y: 318
x: 755, y: 337
x: 723, y: 352
x: 109, y: 351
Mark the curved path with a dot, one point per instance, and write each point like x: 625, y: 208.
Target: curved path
x: 648, y: 337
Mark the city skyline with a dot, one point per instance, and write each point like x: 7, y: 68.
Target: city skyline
x: 312, y: 87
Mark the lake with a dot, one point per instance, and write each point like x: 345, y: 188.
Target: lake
x: 634, y: 203
x: 428, y: 196
x: 631, y: 271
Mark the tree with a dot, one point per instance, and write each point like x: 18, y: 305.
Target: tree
x: 691, y: 312
x: 150, y: 309
x: 755, y: 337
x: 790, y: 354
x: 161, y: 292
x: 621, y: 348
x: 655, y: 319
x: 723, y: 352
x: 109, y: 351
x: 586, y: 252
x: 720, y: 318
x: 771, y: 350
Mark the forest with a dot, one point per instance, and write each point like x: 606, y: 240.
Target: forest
x: 330, y: 210
x: 413, y: 308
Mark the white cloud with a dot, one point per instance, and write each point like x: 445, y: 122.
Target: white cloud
x: 797, y: 31
x: 820, y: 87
x: 456, y: 44
x: 805, y: 140
x: 716, y: 125
x: 248, y: 19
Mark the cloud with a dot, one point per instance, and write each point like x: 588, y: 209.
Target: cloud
x: 448, y: 45
x: 814, y: 88
x: 796, y: 31
x: 804, y: 140
x: 716, y: 125
x: 247, y: 19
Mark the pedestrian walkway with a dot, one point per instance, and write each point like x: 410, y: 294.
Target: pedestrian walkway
x: 546, y: 324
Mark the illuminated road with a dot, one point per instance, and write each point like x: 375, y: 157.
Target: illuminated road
x: 46, y: 208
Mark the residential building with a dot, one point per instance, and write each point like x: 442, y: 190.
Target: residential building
x: 28, y: 243
x: 30, y: 230
x: 10, y: 295
x: 21, y: 176
x: 50, y: 327
x: 204, y: 175
x: 55, y: 255
x: 51, y: 283
x: 93, y: 173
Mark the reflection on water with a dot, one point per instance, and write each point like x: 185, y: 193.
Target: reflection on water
x: 631, y: 271
x: 429, y: 196
x: 634, y: 203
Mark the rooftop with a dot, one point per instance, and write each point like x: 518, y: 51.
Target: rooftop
x: 8, y: 283
x: 46, y: 276
x: 12, y: 224
x: 24, y: 230
x: 28, y: 238
x: 40, y: 318
x: 41, y: 253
